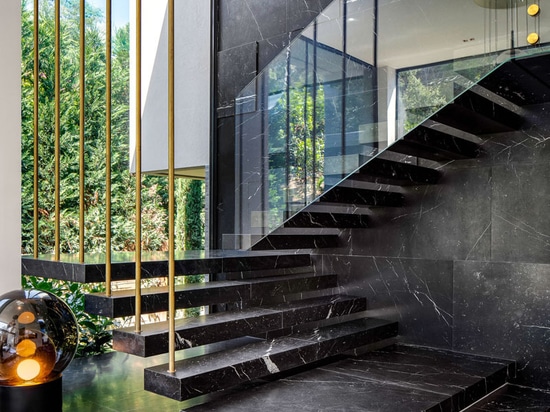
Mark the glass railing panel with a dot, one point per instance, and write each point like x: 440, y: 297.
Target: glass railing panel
x: 362, y: 75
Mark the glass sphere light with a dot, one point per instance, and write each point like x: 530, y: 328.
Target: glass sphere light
x: 38, y: 337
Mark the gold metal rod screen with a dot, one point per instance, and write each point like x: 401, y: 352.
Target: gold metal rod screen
x: 108, y: 87
x: 57, y: 173
x: 171, y: 200
x: 35, y: 120
x: 81, y: 165
x: 138, y: 167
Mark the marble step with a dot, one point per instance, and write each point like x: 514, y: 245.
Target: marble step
x: 511, y: 397
x: 478, y: 115
x: 202, y: 330
x: 122, y: 302
x: 326, y: 219
x: 222, y: 370
x: 522, y: 81
x: 432, y: 144
x: 450, y: 380
x: 397, y: 378
x: 355, y: 196
x: 155, y: 264
x: 390, y: 172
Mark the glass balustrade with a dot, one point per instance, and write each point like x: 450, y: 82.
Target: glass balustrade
x: 358, y: 78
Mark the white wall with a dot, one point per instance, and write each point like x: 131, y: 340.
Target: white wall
x: 10, y: 149
x: 192, y: 88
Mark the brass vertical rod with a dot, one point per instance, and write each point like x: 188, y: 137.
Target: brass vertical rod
x: 36, y: 125
x: 57, y: 144
x: 171, y: 199
x: 108, y: 88
x: 81, y: 165
x: 138, y: 168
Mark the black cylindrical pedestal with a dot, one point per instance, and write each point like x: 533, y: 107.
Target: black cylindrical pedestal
x: 36, y: 398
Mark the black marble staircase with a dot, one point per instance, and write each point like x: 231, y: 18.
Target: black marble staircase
x: 452, y: 133
x: 278, y: 314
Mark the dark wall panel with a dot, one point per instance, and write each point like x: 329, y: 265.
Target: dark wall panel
x: 501, y: 309
x: 481, y: 236
x: 417, y: 293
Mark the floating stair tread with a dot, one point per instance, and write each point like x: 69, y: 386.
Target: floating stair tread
x: 191, y: 332
x: 326, y: 219
x: 432, y: 144
x: 396, y: 173
x: 121, y: 303
x: 200, y: 375
x: 348, y: 195
x: 477, y: 114
x: 281, y: 241
x: 155, y: 264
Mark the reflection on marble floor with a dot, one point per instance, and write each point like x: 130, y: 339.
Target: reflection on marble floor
x: 398, y: 379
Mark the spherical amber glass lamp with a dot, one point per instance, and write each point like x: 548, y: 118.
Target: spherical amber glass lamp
x: 38, y: 340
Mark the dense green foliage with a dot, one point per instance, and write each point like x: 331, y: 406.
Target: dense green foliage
x: 94, y: 330
x: 123, y: 187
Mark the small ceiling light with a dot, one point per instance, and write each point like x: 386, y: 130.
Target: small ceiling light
x: 533, y: 10
x: 533, y: 38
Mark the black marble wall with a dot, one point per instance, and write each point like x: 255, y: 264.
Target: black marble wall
x: 466, y: 266
x: 248, y: 35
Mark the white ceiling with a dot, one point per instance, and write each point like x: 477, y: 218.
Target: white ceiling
x: 417, y: 32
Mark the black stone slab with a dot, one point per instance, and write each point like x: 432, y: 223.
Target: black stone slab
x: 395, y: 173
x: 155, y: 264
x: 398, y: 378
x: 348, y: 195
x: 197, y: 376
x: 432, y: 144
x: 192, y: 332
x: 518, y: 81
x: 513, y: 398
x: 478, y: 115
x: 332, y: 220
x: 462, y: 379
x: 122, y: 303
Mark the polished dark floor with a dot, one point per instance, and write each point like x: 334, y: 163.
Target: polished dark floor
x: 420, y: 379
